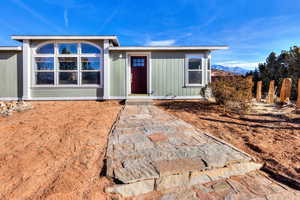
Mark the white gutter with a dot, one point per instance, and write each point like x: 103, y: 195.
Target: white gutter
x: 169, y: 48
x: 10, y: 48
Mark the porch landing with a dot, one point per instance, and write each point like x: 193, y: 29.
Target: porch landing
x: 150, y: 150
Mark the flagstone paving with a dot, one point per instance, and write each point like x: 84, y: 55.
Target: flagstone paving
x: 150, y: 150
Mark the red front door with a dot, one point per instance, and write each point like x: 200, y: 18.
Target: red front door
x: 139, y: 74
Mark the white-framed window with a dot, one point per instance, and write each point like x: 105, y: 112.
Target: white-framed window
x: 63, y: 64
x: 194, y: 68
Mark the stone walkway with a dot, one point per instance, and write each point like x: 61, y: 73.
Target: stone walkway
x: 150, y: 150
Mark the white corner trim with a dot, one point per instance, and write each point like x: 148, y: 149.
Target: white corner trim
x: 9, y: 98
x: 169, y: 48
x: 106, y: 68
x: 26, y: 69
x: 10, y: 48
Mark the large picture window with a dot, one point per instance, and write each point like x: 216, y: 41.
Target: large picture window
x: 68, y: 64
x: 194, y: 70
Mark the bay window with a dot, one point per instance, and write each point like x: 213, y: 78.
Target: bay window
x: 194, y: 70
x: 67, y: 64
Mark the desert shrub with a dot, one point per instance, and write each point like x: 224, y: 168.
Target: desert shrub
x: 233, y: 92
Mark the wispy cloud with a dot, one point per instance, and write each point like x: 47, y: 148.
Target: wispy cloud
x: 161, y: 43
x: 35, y: 14
x: 109, y: 18
x: 66, y: 18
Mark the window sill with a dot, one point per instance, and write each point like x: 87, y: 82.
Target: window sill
x: 66, y: 86
x: 194, y: 85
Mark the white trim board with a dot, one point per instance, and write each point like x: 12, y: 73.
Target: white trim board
x: 63, y: 98
x: 66, y: 37
x: 10, y: 48
x: 158, y: 97
x: 9, y: 98
x: 169, y: 48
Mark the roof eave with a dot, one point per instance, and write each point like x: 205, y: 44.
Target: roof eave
x: 10, y: 48
x: 199, y: 48
x: 20, y: 38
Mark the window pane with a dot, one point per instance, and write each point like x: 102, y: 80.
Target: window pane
x: 67, y: 48
x: 208, y: 64
x: 87, y: 48
x: 66, y: 78
x: 44, y: 78
x: 67, y: 63
x: 44, y: 63
x: 138, y: 62
x: 195, y: 77
x: 90, y: 63
x: 194, y: 62
x: 46, y: 49
x: 90, y: 77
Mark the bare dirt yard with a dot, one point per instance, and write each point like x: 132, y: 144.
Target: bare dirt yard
x: 272, y: 138
x: 55, y: 150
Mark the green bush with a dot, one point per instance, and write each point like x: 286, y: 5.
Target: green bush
x: 233, y: 92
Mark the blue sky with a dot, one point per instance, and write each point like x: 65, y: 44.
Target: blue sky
x: 252, y: 28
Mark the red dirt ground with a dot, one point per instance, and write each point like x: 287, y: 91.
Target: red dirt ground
x: 55, y: 150
x: 272, y: 139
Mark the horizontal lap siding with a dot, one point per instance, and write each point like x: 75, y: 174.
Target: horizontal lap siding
x: 118, y: 74
x: 10, y: 75
x: 66, y: 92
x: 168, y: 75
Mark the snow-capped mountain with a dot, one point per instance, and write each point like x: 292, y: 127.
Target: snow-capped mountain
x: 236, y: 70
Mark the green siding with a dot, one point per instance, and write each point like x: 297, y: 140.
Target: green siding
x: 117, y: 75
x: 168, y: 75
x: 41, y: 92
x: 10, y: 74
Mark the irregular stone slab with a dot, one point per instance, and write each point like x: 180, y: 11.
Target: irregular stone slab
x: 200, y: 177
x: 133, y: 189
x: 136, y: 170
x: 166, y: 182
x: 169, y: 167
x: 158, y: 137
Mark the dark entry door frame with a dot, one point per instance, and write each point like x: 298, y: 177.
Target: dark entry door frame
x: 147, y: 75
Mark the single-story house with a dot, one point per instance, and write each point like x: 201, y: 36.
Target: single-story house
x: 64, y: 67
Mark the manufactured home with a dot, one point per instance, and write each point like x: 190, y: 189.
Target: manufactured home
x: 95, y: 67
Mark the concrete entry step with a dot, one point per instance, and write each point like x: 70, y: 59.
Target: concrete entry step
x: 151, y: 150
x: 139, y: 101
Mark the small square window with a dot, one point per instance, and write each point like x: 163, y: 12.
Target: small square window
x: 195, y: 77
x: 68, y: 63
x: 44, y: 63
x: 68, y: 78
x: 67, y: 48
x: 90, y: 63
x: 91, y: 78
x: 44, y: 78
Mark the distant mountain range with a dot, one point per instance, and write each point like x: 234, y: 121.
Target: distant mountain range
x: 236, y: 70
